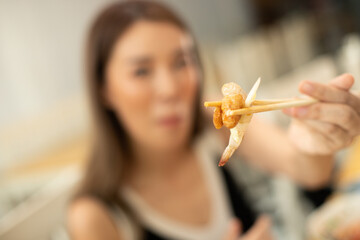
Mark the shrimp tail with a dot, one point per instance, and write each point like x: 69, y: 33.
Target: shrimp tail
x: 229, y: 151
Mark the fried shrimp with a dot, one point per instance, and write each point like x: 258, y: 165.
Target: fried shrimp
x: 217, y: 118
x: 238, y: 131
x: 233, y: 99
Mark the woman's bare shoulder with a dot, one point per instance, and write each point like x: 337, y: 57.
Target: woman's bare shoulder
x: 88, y: 218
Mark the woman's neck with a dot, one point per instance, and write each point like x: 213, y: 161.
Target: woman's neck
x: 151, y: 165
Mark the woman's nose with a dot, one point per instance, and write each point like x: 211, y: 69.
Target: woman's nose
x: 166, y: 85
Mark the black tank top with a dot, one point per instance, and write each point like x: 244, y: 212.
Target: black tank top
x: 240, y: 207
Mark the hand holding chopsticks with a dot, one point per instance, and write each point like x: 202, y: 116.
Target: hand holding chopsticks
x: 325, y: 120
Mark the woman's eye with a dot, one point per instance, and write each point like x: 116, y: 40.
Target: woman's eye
x: 180, y: 63
x: 142, y: 72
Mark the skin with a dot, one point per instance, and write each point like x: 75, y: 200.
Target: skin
x: 151, y: 80
x: 260, y: 230
x: 330, y: 125
x: 151, y: 77
x: 305, y: 153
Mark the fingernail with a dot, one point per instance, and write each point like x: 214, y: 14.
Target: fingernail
x: 307, y: 87
x: 301, y: 111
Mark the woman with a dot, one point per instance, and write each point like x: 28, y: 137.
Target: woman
x: 147, y: 178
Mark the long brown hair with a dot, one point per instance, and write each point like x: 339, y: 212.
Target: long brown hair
x: 111, y: 143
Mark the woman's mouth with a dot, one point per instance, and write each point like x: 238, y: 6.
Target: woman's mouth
x: 170, y: 121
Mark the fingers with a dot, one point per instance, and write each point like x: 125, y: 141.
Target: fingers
x: 335, y: 92
x: 308, y: 140
x: 343, y: 82
x: 233, y: 231
x: 337, y: 114
x: 260, y: 231
x: 323, y: 92
x: 336, y: 137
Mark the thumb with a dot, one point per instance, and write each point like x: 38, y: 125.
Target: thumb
x: 343, y: 82
x: 233, y: 230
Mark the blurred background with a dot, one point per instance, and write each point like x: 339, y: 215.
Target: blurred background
x: 44, y: 119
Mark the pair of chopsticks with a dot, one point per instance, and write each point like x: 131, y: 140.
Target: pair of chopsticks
x: 271, y: 105
x: 267, y: 105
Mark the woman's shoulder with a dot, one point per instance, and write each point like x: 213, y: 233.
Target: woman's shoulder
x: 89, y: 218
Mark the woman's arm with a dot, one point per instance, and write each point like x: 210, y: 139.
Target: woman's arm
x: 305, y: 152
x: 88, y: 219
x: 268, y: 147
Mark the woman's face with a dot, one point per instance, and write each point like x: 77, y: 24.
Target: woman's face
x: 151, y: 84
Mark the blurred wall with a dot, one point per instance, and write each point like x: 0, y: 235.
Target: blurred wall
x: 214, y: 21
x: 41, y: 43
x: 41, y: 49
x: 41, y: 87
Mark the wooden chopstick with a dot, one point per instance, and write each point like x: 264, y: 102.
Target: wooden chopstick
x: 266, y: 105
x: 213, y: 104
x: 270, y: 101
x: 275, y: 106
x: 255, y: 103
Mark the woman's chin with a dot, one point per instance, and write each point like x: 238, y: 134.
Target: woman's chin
x: 172, y: 143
